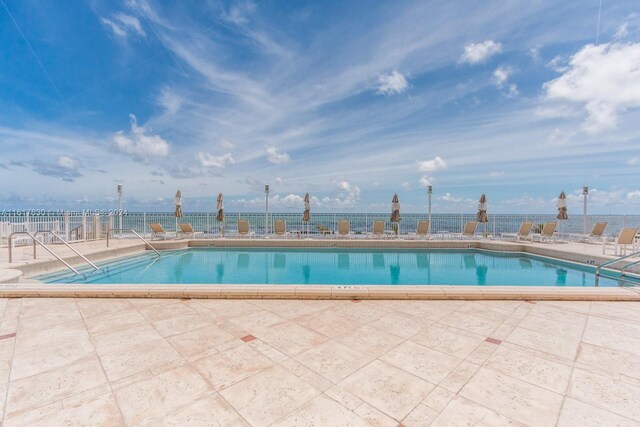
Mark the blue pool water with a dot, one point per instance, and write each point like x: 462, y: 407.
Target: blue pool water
x: 336, y: 266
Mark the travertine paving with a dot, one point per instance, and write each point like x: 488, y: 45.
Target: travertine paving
x: 133, y: 362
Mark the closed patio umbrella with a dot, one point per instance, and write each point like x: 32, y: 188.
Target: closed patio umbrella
x: 562, y: 210
x: 220, y: 215
x: 306, y: 215
x: 482, y: 216
x: 395, y: 212
x: 177, y: 201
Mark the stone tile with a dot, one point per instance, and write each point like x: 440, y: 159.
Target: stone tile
x: 420, y: 416
x: 478, y: 325
x: 47, y: 337
x: 374, y: 417
x: 291, y: 338
x: 565, y: 347
x: 516, y: 399
x: 424, y: 362
x: 459, y: 376
x: 94, y: 307
x: 612, y: 341
x: 343, y: 397
x: 102, y: 411
x: 463, y: 412
x: 399, y: 324
x: 211, y: 410
x: 284, y: 308
x: 443, y: 339
x: 47, y: 306
x: 256, y: 320
x: 148, y: 401
x: 613, y: 361
x: 28, y: 324
x: 124, y: 362
x: 166, y: 311
x: 333, y: 360
x: 605, y: 393
x: 387, y: 388
x: 269, y: 395
x: 322, y: 411
x: 181, y: 324
x: 328, y: 323
x: 44, y: 359
x: 554, y: 327
x: 438, y: 399
x: 370, y: 340
x: 611, y: 326
x: 125, y: 339
x: 115, y: 322
x: 555, y: 312
x: 534, y: 370
x: 576, y: 413
x: 489, y: 312
x: 617, y: 312
x: 200, y: 342
x: 38, y: 390
x: 231, y: 366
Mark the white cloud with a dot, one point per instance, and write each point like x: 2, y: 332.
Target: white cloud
x: 209, y: 160
x: 496, y: 174
x: 432, y: 165
x: 227, y: 144
x: 534, y: 53
x: 604, y: 80
x: 67, y: 162
x: 500, y: 77
x: 405, y: 185
x: 622, y: 32
x: 279, y: 180
x: 476, y: 53
x: 140, y: 145
x: 447, y: 197
x: 392, y: 83
x: 604, y: 198
x: 425, y: 181
x: 275, y: 156
x: 122, y: 25
x: 634, y: 161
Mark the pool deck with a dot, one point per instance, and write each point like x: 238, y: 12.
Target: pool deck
x: 318, y: 362
x: 14, y: 284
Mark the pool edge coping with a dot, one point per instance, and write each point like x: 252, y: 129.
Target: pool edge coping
x: 334, y: 292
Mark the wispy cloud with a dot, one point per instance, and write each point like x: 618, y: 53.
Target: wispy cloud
x: 275, y: 156
x: 477, y: 53
x: 392, y: 83
x: 431, y: 165
x: 210, y: 161
x: 123, y: 25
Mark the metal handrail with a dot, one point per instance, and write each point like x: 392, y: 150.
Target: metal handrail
x: 110, y: 230
x: 627, y: 266
x: 613, y: 261
x: 70, y: 247
x: 36, y: 241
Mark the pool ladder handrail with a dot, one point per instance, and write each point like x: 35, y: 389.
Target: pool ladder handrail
x: 110, y: 230
x: 614, y: 261
x: 36, y: 241
x: 57, y: 236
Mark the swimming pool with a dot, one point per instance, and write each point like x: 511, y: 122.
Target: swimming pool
x: 337, y: 266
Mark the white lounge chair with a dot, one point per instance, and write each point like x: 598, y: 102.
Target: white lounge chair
x: 596, y: 235
x: 280, y: 228
x: 343, y: 228
x: 468, y: 231
x: 423, y: 230
x: 524, y: 232
x: 626, y: 238
x: 378, y: 230
x: 547, y: 234
x: 187, y: 231
x: 243, y: 229
x: 158, y: 232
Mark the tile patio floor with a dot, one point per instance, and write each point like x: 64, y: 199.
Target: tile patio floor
x: 318, y: 363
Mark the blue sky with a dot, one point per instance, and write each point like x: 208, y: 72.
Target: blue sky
x: 350, y: 101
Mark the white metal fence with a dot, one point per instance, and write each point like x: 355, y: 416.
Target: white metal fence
x: 79, y: 226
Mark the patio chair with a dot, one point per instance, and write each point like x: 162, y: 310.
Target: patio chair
x: 468, y: 231
x: 547, y: 234
x: 524, y: 232
x: 626, y: 238
x: 243, y: 229
x: 158, y: 232
x: 596, y: 235
x: 343, y: 228
x: 378, y: 229
x: 187, y: 231
x: 422, y: 230
x: 280, y: 228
